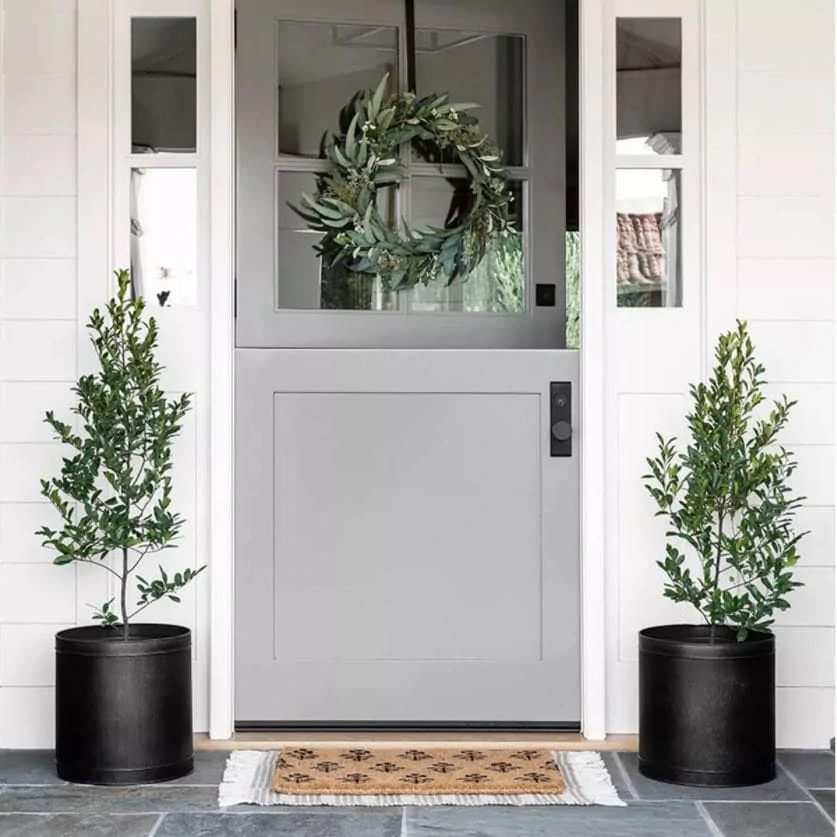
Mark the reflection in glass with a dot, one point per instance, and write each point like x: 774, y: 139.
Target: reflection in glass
x: 320, y: 67
x: 163, y: 84
x: 304, y: 281
x: 648, y: 258
x: 649, y: 116
x: 498, y: 283
x: 445, y: 62
x: 164, y: 235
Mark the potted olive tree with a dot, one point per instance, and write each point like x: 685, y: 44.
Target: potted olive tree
x: 707, y: 691
x: 123, y: 688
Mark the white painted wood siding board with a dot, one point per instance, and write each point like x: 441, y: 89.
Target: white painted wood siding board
x: 37, y: 593
x: 778, y: 35
x: 789, y: 164
x: 795, y: 351
x: 37, y: 166
x: 792, y: 100
x: 805, y: 657
x: 814, y: 478
x: 39, y: 103
x: 38, y: 289
x: 27, y: 718
x: 39, y: 43
x: 23, y: 466
x: 804, y: 717
x: 785, y: 227
x: 38, y: 227
x: 811, y: 605
x: 817, y: 547
x: 37, y: 350
x: 812, y: 418
x: 18, y: 524
x: 27, y: 655
x: 786, y: 288
x: 23, y: 405
x: 41, y: 7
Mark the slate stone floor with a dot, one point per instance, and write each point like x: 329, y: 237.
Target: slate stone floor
x: 35, y: 803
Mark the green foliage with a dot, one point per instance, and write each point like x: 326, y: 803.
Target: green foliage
x: 364, y: 158
x: 731, y: 543
x: 572, y: 273
x: 114, y: 491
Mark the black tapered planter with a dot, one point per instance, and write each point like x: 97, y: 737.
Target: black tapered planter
x: 707, y: 710
x: 123, y: 709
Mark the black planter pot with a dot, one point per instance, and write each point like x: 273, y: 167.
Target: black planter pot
x: 123, y: 709
x: 707, y: 710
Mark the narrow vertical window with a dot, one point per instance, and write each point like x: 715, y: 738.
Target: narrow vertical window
x: 649, y: 161
x: 163, y: 85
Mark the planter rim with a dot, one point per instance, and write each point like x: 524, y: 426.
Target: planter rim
x: 146, y: 638
x: 693, y: 641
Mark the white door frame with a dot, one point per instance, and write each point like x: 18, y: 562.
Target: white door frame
x: 221, y: 397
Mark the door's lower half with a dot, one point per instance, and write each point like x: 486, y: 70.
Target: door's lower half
x: 406, y: 545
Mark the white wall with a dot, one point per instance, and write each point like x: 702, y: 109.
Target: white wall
x: 783, y: 283
x: 770, y: 260
x: 785, y: 288
x: 44, y: 305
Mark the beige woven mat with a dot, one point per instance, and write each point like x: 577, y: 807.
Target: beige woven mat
x: 418, y: 772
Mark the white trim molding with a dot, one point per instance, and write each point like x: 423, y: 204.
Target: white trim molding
x: 592, y: 19
x: 221, y: 343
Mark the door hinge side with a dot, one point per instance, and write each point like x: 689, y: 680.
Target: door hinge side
x: 235, y: 298
x: 235, y: 28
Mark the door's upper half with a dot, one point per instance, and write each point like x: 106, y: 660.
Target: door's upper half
x: 298, y: 65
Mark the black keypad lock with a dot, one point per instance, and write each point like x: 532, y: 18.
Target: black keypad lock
x: 560, y: 418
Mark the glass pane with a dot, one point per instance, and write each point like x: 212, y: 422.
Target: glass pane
x: 498, y: 284
x: 447, y: 62
x: 572, y: 262
x: 304, y: 281
x: 163, y: 84
x: 649, y: 117
x: 648, y: 258
x: 164, y: 235
x: 320, y: 67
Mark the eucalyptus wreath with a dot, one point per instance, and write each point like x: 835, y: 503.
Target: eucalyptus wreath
x: 365, y: 157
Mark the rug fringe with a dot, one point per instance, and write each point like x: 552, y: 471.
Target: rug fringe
x: 248, y: 779
x: 587, y: 778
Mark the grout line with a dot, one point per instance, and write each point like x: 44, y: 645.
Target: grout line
x: 805, y: 790
x: 627, y: 779
x: 157, y: 825
x: 710, y: 823
x: 404, y: 821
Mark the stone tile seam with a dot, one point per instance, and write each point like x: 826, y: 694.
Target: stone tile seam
x: 805, y: 791
x: 714, y: 830
x: 625, y: 777
x: 155, y: 828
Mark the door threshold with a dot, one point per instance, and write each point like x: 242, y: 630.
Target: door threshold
x: 276, y: 740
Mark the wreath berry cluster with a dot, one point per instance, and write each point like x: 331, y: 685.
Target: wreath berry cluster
x: 365, y: 157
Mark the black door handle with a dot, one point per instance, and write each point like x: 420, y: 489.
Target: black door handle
x: 560, y: 418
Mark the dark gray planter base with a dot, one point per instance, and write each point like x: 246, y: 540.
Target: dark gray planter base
x: 707, y: 712
x: 123, y: 709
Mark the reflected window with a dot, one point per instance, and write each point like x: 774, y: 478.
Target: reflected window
x: 498, y: 284
x: 164, y: 236
x: 445, y: 62
x: 320, y: 67
x: 648, y: 256
x: 304, y: 281
x: 163, y: 85
x: 649, y: 116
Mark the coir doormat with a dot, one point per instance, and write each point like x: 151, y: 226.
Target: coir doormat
x: 433, y: 776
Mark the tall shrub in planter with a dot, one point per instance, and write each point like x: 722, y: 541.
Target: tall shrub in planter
x: 707, y: 691
x: 123, y: 688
